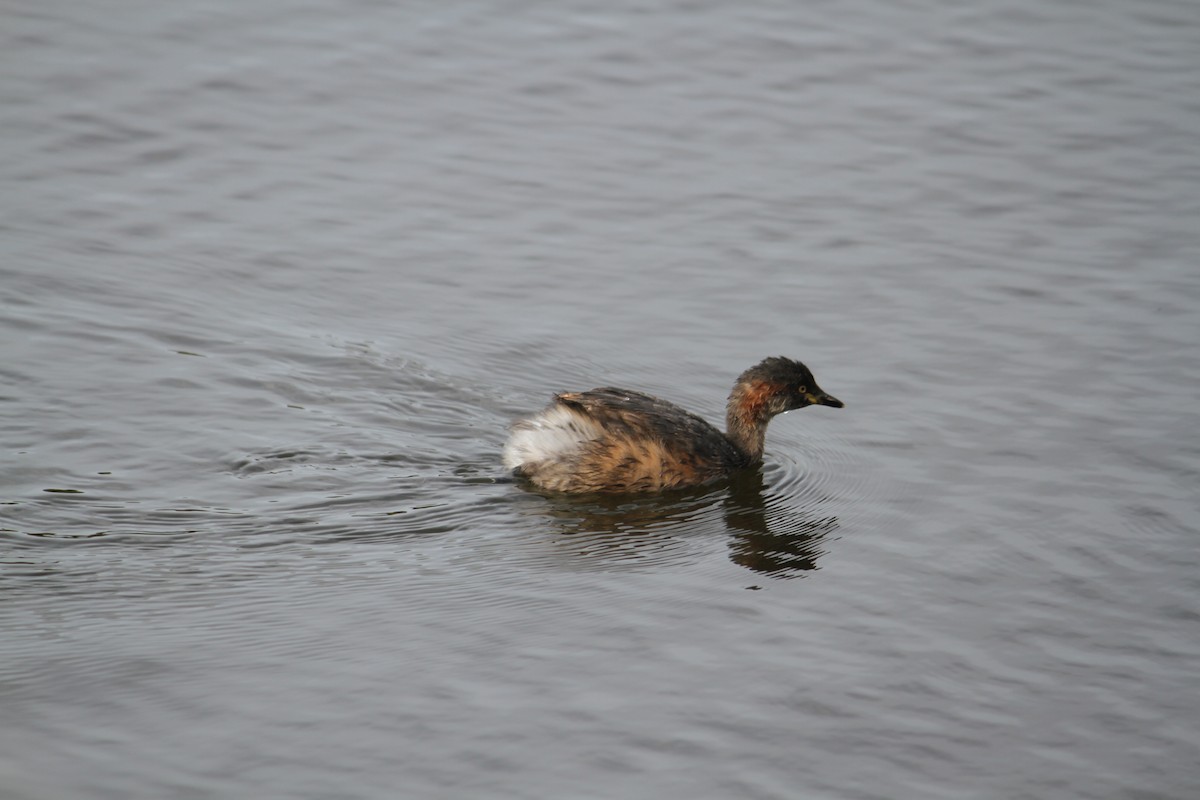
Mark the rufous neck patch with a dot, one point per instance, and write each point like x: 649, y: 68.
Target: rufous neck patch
x: 753, y: 400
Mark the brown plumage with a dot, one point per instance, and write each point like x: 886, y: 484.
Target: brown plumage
x: 617, y: 440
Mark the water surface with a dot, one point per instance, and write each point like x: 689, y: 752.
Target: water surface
x: 277, y: 275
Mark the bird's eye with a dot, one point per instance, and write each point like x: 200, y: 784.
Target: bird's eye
x: 802, y: 389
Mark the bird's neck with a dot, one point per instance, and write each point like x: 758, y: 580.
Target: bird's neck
x: 746, y: 419
x: 748, y: 438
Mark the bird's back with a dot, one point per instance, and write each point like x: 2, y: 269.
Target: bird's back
x: 617, y: 440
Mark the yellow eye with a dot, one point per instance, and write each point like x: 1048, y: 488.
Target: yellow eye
x: 802, y: 389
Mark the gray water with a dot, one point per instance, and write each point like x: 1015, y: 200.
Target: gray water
x: 277, y: 275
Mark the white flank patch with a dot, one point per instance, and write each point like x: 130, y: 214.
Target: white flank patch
x: 549, y: 435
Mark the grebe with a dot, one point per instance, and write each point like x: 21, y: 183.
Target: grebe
x: 617, y: 440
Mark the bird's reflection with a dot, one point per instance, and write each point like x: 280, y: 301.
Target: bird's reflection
x: 772, y: 539
x: 764, y: 533
x: 599, y: 531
